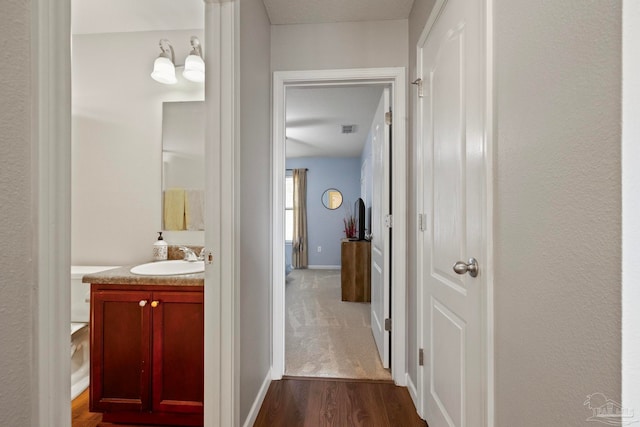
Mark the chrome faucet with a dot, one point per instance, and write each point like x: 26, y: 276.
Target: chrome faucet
x: 189, y: 254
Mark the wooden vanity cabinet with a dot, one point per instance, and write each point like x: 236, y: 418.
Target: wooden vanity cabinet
x: 147, y: 354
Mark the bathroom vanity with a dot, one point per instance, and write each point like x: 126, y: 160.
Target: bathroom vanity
x: 147, y: 348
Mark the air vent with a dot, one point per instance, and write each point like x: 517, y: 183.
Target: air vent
x: 348, y: 128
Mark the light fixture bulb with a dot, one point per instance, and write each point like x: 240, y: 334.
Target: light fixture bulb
x: 194, y: 68
x: 164, y: 71
x: 164, y: 68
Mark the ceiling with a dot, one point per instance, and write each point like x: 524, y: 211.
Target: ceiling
x: 314, y: 119
x: 314, y: 116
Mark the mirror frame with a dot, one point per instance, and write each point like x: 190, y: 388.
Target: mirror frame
x: 328, y: 194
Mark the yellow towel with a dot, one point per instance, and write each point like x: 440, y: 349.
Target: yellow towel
x: 174, y: 209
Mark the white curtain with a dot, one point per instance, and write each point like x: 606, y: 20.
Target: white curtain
x: 300, y: 254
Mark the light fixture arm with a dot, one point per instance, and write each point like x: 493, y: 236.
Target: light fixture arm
x: 166, y: 48
x: 196, y: 47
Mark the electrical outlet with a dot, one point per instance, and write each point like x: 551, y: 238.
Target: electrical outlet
x: 319, y: 248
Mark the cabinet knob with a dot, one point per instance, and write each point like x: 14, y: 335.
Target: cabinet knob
x: 142, y: 303
x: 154, y: 304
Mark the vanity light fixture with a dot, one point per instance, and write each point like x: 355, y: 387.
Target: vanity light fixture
x: 164, y: 67
x: 194, y: 64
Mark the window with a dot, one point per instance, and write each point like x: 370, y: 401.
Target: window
x: 288, y: 208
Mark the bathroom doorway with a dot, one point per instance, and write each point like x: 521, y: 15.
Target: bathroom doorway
x: 121, y: 119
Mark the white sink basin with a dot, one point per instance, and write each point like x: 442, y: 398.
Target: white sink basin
x: 168, y: 268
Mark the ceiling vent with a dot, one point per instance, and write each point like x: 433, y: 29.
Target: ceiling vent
x: 348, y: 128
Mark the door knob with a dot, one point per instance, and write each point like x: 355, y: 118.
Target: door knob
x: 470, y: 267
x: 142, y: 303
x: 154, y: 304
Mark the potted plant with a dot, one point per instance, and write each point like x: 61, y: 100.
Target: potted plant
x: 349, y: 224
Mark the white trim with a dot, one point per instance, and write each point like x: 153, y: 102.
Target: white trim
x: 419, y: 173
x: 413, y: 392
x: 51, y: 143
x: 396, y: 77
x: 490, y: 123
x: 257, y: 403
x: 221, y: 296
x: 324, y: 267
x: 630, y: 206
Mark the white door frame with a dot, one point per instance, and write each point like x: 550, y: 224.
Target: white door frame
x: 51, y: 147
x: 419, y: 176
x: 396, y: 77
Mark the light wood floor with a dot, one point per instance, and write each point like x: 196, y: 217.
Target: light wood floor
x: 325, y: 336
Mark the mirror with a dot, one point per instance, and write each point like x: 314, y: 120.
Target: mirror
x: 332, y: 198
x: 183, y: 165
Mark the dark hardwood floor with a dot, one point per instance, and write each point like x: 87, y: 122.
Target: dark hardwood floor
x: 311, y: 402
x: 81, y: 417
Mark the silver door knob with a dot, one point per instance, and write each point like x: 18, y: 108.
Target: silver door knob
x: 470, y: 267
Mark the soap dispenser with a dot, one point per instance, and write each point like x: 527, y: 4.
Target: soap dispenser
x: 160, y: 248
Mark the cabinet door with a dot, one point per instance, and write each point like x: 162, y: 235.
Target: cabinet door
x: 120, y: 351
x: 178, y: 352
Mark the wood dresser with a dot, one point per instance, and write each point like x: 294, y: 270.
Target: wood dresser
x: 356, y: 270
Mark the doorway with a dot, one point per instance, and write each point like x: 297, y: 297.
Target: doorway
x: 395, y: 79
x: 332, y: 137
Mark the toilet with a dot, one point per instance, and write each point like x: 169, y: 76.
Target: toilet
x: 80, y: 293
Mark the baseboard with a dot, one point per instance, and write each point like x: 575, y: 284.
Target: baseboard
x: 413, y: 391
x: 323, y: 267
x: 257, y: 403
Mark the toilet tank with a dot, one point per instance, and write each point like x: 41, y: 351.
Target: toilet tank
x: 80, y: 292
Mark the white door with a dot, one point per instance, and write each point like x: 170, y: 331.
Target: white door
x: 380, y: 240
x: 454, y: 198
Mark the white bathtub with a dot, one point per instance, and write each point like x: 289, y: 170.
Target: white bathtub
x: 79, y: 344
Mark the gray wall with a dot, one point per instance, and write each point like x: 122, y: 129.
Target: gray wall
x: 116, y: 146
x: 417, y: 20
x: 557, y: 209
x: 339, y: 45
x: 255, y: 201
x: 17, y: 213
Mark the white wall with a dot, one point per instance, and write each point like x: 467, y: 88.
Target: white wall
x: 557, y: 209
x: 417, y: 20
x: 255, y: 202
x: 631, y: 207
x: 116, y: 143
x: 339, y: 45
x: 17, y: 216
